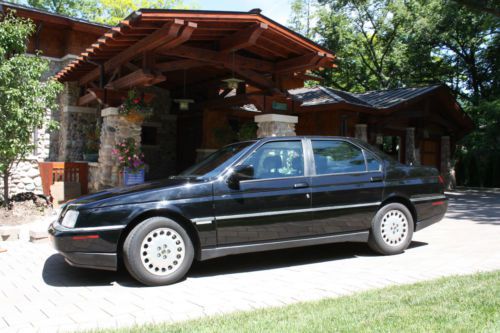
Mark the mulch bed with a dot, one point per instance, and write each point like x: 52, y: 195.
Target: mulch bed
x: 24, y: 208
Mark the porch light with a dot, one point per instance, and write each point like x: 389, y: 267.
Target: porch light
x: 232, y: 83
x: 184, y: 103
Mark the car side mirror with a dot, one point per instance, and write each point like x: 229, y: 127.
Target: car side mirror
x: 240, y: 172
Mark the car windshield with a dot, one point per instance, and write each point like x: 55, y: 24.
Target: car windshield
x: 215, y: 163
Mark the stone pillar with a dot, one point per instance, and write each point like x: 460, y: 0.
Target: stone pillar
x: 272, y: 124
x: 361, y: 132
x: 76, y: 122
x: 115, y: 129
x: 410, y: 153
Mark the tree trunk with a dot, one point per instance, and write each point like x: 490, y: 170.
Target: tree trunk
x: 6, y: 189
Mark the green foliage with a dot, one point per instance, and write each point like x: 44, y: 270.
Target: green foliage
x: 113, y: 11
x: 102, y: 11
x: 85, y: 9
x: 248, y: 131
x: 25, y: 98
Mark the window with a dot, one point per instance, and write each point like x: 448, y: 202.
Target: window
x: 277, y: 160
x: 337, y: 157
x: 371, y: 162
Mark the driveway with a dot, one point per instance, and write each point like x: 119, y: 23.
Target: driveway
x: 39, y: 291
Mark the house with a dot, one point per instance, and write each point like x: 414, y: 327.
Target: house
x: 212, y: 75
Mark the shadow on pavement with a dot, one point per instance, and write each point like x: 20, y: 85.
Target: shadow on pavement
x: 56, y: 272
x: 476, y: 206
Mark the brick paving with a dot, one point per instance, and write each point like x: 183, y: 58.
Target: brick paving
x: 40, y: 292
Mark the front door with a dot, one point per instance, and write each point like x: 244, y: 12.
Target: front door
x: 273, y: 205
x: 347, y: 186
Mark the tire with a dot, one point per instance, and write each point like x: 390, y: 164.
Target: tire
x: 392, y: 229
x: 158, y: 251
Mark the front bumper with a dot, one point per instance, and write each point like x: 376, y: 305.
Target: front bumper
x: 94, y: 247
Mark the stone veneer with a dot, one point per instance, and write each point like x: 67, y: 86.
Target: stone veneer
x: 115, y: 129
x: 25, y: 176
x: 275, y: 125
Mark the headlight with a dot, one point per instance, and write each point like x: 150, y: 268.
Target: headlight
x: 70, y: 218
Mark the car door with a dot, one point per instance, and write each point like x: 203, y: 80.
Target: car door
x: 273, y: 204
x: 347, y: 186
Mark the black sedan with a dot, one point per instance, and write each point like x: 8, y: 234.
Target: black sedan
x: 260, y: 195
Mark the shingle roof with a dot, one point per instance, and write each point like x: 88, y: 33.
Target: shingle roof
x: 389, y: 98
x: 378, y: 99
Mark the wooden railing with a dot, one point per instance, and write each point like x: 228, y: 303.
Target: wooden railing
x: 51, y: 172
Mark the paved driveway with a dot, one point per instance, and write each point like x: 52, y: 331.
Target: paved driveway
x: 39, y: 291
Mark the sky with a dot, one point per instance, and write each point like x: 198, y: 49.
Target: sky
x: 277, y: 10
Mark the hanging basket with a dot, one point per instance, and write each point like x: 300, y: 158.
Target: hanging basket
x: 138, y: 117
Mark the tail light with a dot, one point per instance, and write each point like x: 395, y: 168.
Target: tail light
x: 441, y: 180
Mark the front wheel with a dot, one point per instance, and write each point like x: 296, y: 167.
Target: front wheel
x: 392, y: 229
x: 158, y: 251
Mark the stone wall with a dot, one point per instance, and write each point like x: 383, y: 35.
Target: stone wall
x: 25, y: 176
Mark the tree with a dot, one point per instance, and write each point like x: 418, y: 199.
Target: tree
x: 302, y: 16
x: 25, y: 98
x: 113, y: 11
x: 85, y: 9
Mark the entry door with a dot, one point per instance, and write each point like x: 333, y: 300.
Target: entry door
x: 273, y: 205
x: 347, y: 187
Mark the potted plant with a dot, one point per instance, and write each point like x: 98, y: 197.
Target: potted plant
x: 134, y: 107
x: 131, y: 161
x: 91, y: 149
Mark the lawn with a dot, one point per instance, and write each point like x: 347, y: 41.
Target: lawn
x: 453, y: 304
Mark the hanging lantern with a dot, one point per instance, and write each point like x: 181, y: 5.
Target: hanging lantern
x: 184, y: 102
x: 232, y: 82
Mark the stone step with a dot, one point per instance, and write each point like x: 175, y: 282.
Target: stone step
x: 9, y: 233
x: 38, y: 236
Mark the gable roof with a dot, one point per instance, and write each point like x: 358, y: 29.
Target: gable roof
x: 377, y: 99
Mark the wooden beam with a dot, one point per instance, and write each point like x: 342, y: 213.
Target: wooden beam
x: 243, y: 38
x: 135, y: 79
x: 165, y: 34
x: 257, y: 79
x: 223, y: 58
x: 300, y: 63
x: 177, y: 65
x: 184, y: 36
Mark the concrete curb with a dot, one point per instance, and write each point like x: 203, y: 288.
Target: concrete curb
x: 9, y: 233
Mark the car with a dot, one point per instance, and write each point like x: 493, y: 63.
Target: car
x: 258, y: 195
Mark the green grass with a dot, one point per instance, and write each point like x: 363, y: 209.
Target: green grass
x: 453, y: 304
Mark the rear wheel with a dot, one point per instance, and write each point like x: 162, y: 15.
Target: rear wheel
x: 392, y: 229
x: 158, y: 251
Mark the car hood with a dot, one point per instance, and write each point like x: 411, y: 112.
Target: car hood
x: 166, y: 189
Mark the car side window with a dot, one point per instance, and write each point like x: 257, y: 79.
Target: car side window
x: 336, y: 156
x: 372, y: 162
x: 277, y: 160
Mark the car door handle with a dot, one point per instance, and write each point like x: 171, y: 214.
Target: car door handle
x: 300, y: 185
x: 375, y: 179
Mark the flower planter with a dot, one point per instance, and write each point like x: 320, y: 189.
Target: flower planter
x: 133, y: 178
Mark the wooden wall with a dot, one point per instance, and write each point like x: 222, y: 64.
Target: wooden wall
x: 325, y: 123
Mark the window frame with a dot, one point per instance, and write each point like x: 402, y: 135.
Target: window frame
x: 313, y: 161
